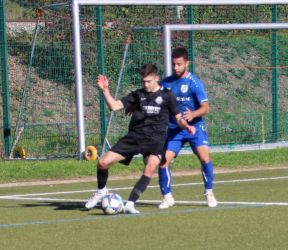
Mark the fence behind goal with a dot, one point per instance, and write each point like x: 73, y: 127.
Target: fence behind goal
x: 245, y: 71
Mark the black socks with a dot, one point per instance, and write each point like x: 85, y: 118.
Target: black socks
x: 102, y: 176
x: 139, y: 188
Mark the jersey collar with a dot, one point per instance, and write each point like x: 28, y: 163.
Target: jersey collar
x: 188, y: 75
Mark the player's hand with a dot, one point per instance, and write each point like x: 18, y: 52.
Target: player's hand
x: 191, y: 129
x: 103, y: 82
x: 188, y: 115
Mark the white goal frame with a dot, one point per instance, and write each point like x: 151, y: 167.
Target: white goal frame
x: 169, y: 28
x: 75, y: 9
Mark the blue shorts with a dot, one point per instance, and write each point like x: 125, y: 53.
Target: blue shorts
x: 176, y: 138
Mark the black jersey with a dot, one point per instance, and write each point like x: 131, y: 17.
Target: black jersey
x: 151, y: 111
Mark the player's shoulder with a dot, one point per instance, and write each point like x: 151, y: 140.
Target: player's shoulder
x: 169, y: 79
x: 139, y: 91
x: 192, y: 77
x: 167, y: 93
x: 194, y: 80
x: 165, y: 90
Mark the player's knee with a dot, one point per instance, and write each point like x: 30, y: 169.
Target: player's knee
x: 204, y: 157
x: 165, y: 163
x: 205, y: 160
x: 102, y: 163
x: 150, y: 169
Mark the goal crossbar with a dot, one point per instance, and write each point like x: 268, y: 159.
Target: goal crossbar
x: 178, y: 2
x: 169, y: 28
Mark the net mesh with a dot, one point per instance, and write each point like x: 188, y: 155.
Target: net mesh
x: 237, y: 68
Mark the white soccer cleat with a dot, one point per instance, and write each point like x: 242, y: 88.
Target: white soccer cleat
x: 130, y: 208
x: 96, y: 198
x: 211, y: 200
x: 167, y: 202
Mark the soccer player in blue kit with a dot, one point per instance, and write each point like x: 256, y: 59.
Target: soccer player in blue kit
x: 193, y: 104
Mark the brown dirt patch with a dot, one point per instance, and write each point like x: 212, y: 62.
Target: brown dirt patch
x: 133, y: 176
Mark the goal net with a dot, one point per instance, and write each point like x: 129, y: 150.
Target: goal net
x: 244, y: 71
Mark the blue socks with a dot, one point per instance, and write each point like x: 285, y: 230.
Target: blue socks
x: 208, y: 176
x: 165, y: 180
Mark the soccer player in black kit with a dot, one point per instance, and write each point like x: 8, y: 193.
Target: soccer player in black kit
x: 151, y: 107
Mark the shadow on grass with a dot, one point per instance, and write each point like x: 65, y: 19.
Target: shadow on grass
x: 96, y: 211
x: 76, y: 206
x: 59, y: 205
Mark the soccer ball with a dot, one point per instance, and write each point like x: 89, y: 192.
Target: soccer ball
x: 112, y: 204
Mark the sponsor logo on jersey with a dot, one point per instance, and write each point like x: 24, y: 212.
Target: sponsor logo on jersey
x: 151, y: 109
x: 184, y: 88
x: 143, y: 98
x: 159, y: 100
x: 183, y: 99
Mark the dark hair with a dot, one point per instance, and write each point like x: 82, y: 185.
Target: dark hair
x: 148, y: 69
x: 180, y: 52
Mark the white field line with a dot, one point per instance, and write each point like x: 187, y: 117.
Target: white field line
x: 220, y: 202
x: 39, y: 199
x: 155, y: 201
x: 155, y: 186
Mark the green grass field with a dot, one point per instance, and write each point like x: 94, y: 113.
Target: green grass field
x: 252, y: 214
x: 27, y: 170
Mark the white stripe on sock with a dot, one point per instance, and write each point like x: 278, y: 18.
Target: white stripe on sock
x: 168, y: 177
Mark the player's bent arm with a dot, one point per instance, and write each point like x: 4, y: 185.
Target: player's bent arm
x: 113, y: 104
x: 103, y: 84
x: 184, y: 125
x: 204, y: 108
x: 189, y: 115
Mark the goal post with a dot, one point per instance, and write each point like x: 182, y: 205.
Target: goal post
x: 77, y: 39
x: 168, y: 29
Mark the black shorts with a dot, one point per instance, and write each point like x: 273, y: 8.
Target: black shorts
x: 134, y: 144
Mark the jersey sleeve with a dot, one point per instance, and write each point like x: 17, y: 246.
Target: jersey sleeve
x: 173, y: 104
x: 129, y: 100
x: 199, y: 89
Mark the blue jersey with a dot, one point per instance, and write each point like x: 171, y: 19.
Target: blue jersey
x: 190, y: 93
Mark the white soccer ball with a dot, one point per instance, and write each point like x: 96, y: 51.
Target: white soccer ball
x: 112, y: 204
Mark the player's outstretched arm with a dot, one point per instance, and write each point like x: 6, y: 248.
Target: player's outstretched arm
x: 184, y: 125
x: 103, y: 84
